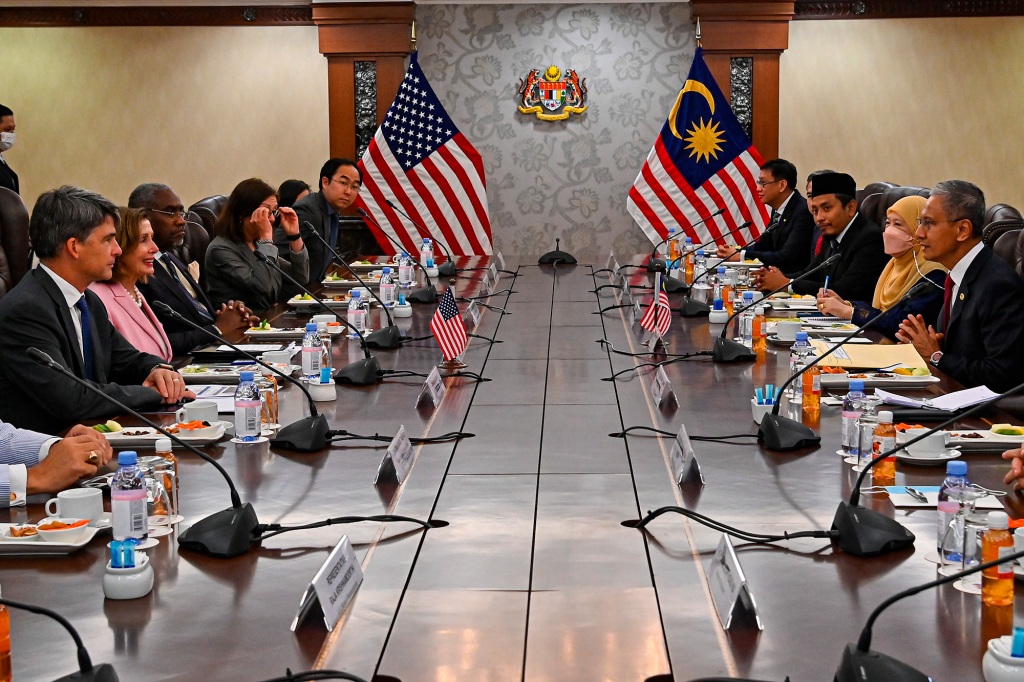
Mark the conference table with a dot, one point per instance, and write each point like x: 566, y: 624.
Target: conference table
x: 530, y: 572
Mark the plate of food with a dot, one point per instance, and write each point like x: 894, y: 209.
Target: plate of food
x: 266, y: 331
x: 368, y: 266
x: 335, y: 302
x: 746, y: 264
x: 193, y: 433
x: 995, y: 439
x: 24, y: 540
x: 225, y: 373
x: 336, y: 281
x: 901, y: 377
x: 794, y: 302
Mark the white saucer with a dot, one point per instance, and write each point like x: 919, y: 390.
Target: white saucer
x: 239, y: 441
x: 102, y: 521
x: 159, y: 531
x: 937, y: 458
x: 776, y: 341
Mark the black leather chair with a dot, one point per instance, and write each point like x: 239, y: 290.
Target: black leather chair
x: 873, y: 188
x: 14, y: 241
x: 205, y: 211
x: 876, y: 205
x: 1001, y: 212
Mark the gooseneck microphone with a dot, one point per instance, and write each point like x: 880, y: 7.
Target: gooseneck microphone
x: 361, y: 372
x: 388, y: 337
x: 690, y: 307
x: 225, y: 533
x: 782, y: 433
x: 655, y: 263
x: 309, y: 434
x: 446, y: 269
x: 87, y: 672
x: 427, y: 294
x: 727, y: 350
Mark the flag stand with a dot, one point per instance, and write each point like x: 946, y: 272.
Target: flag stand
x: 452, y: 366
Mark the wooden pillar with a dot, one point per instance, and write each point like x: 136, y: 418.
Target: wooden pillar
x: 361, y: 32
x: 755, y: 29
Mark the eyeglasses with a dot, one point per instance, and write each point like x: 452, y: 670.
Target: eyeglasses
x: 176, y: 213
x: 765, y: 183
x: 345, y: 183
x: 275, y: 213
x: 927, y: 223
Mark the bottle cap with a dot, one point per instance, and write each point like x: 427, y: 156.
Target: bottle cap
x: 759, y: 310
x: 718, y: 305
x: 885, y: 416
x: 700, y: 252
x: 162, y: 445
x: 127, y: 458
x: 386, y: 270
x: 748, y: 296
x: 671, y: 230
x: 801, y: 336
x: 247, y: 375
x: 405, y: 254
x: 311, y: 326
x: 355, y: 293
x: 721, y: 269
x: 956, y: 468
x: 857, y: 385
x: 998, y: 520
x: 426, y: 240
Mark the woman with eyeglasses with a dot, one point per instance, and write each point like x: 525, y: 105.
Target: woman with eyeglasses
x: 234, y: 271
x: 901, y: 274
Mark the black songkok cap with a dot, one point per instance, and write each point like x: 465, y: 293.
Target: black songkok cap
x: 833, y: 183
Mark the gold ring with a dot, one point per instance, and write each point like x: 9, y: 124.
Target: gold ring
x: 93, y: 457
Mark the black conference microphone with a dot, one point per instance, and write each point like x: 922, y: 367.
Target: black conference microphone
x: 361, y: 372
x: 782, y: 433
x: 690, y: 307
x: 727, y: 350
x: 861, y: 664
x: 654, y: 263
x: 309, y: 434
x: 427, y: 294
x: 87, y: 672
x: 225, y: 533
x: 388, y: 337
x: 448, y: 268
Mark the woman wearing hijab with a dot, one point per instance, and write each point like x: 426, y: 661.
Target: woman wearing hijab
x: 905, y: 270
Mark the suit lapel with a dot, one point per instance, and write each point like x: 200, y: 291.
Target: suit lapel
x: 64, y: 316
x: 195, y: 285
x: 963, y: 296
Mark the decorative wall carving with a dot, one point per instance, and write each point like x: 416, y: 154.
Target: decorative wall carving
x: 366, y: 104
x: 741, y: 81
x: 905, y: 9
x: 192, y: 15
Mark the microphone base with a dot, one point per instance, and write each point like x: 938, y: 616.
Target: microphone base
x: 360, y: 373
x: 561, y: 257
x: 446, y: 269
x: 692, y: 308
x: 727, y: 350
x: 305, y: 435
x: 225, y: 534
x: 782, y: 433
x: 871, y: 666
x: 656, y: 265
x: 674, y: 286
x: 388, y: 337
x: 104, y: 672
x: 865, y: 532
x: 425, y: 295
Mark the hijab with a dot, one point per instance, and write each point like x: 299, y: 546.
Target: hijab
x: 903, y: 271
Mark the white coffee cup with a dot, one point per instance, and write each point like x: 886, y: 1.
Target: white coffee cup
x: 930, y: 446
x: 326, y: 318
x: 76, y: 503
x: 278, y: 357
x: 203, y: 410
x: 364, y: 294
x: 786, y: 331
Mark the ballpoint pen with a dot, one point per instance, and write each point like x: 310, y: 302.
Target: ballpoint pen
x: 916, y: 494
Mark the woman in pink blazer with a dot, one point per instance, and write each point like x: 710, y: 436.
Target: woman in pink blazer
x: 127, y: 308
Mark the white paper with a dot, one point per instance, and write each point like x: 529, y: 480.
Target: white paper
x: 951, y: 401
x: 222, y: 394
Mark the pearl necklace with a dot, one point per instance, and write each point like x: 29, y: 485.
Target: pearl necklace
x: 136, y: 296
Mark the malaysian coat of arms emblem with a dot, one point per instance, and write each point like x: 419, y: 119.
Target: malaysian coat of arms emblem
x: 551, y: 96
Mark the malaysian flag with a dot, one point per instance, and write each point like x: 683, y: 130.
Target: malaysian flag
x: 419, y: 160
x: 448, y: 327
x: 701, y: 161
x: 658, y: 316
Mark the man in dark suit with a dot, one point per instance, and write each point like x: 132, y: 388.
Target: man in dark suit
x: 173, y: 284
x: 73, y: 232
x: 786, y: 243
x: 846, y: 232
x: 8, y: 178
x: 981, y: 341
x: 340, y: 180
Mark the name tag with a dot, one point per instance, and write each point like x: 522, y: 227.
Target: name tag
x: 332, y: 588
x: 501, y: 260
x: 473, y: 314
x: 434, y: 387
x: 683, y: 459
x: 398, y: 458
x: 485, y: 284
x: 494, y: 272
x: 625, y: 289
x: 610, y: 261
x: 729, y: 589
x: 634, y: 313
x: 661, y: 387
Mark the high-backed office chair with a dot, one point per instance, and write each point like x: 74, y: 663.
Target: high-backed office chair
x: 875, y: 206
x: 14, y: 241
x: 873, y: 188
x: 1001, y: 212
x: 994, y: 232
x: 205, y: 211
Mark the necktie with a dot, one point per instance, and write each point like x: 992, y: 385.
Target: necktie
x: 947, y: 302
x: 333, y: 237
x: 817, y: 245
x: 172, y: 268
x: 83, y: 307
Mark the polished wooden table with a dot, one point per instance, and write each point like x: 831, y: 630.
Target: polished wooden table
x: 535, y: 577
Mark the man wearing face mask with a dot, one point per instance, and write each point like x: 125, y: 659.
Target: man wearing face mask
x: 904, y: 271
x: 8, y: 178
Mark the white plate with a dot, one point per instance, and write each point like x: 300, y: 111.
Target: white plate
x: 225, y: 374
x: 898, y: 381
x: 300, y: 304
x: 370, y: 267
x: 19, y: 547
x: 745, y: 264
x: 776, y: 341
x: 145, y: 436
x: 989, y: 441
x: 350, y: 283
x: 928, y: 461
x: 284, y: 332
x: 103, y: 521
x: 795, y: 303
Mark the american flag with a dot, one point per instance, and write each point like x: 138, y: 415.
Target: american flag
x: 420, y: 161
x: 701, y: 161
x: 658, y: 316
x: 448, y: 327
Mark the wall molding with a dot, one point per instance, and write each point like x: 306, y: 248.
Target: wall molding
x: 907, y: 9
x: 179, y: 15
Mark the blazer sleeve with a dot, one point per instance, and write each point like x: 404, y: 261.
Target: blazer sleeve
x: 794, y: 250
x: 927, y: 305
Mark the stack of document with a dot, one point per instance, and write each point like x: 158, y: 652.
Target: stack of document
x: 952, y: 402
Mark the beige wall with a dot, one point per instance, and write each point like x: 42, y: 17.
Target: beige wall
x: 911, y: 101
x: 197, y: 108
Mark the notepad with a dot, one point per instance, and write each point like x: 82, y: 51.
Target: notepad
x: 957, y: 400
x: 871, y: 356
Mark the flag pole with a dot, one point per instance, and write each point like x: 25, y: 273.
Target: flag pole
x: 412, y: 36
x: 696, y: 38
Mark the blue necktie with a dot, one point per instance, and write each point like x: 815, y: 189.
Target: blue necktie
x: 333, y: 240
x: 83, y: 307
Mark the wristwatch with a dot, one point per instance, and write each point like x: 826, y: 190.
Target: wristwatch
x: 934, y: 359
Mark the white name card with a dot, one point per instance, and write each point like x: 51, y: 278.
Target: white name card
x: 485, y: 283
x: 625, y: 288
x: 333, y: 586
x: 473, y: 315
x: 635, y: 313
x: 611, y: 259
x: 434, y: 387
x: 501, y: 260
x: 398, y: 458
x: 729, y: 589
x: 494, y: 271
x: 661, y: 387
x: 684, y: 459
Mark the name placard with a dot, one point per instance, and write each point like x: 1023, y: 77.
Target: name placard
x: 611, y: 259
x: 501, y: 260
x: 434, y: 387
x: 494, y: 271
x: 729, y: 589
x: 473, y: 315
x: 625, y: 289
x: 333, y: 586
x: 661, y: 387
x: 485, y: 283
x: 398, y: 458
x: 684, y: 459
x: 635, y: 313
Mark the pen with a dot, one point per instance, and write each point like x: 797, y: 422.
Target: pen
x: 825, y: 289
x: 916, y: 494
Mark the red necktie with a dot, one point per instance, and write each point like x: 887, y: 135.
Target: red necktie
x: 947, y: 302
x: 817, y: 247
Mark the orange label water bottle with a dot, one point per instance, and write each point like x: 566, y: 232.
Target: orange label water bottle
x: 758, y: 333
x: 812, y: 390
x: 884, y: 440
x: 996, y: 542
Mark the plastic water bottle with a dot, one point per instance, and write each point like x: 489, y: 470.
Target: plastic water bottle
x: 746, y: 320
x: 955, y: 482
x: 688, y: 260
x: 799, y: 355
x: 718, y: 284
x: 427, y: 253
x: 364, y: 303
x: 325, y: 345
x: 700, y: 266
x: 996, y: 543
x: 249, y: 406
x: 312, y: 352
x: 759, y: 332
x: 851, y: 413
x: 128, y: 498
x: 356, y: 317
x: 405, y: 271
x: 387, y: 287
